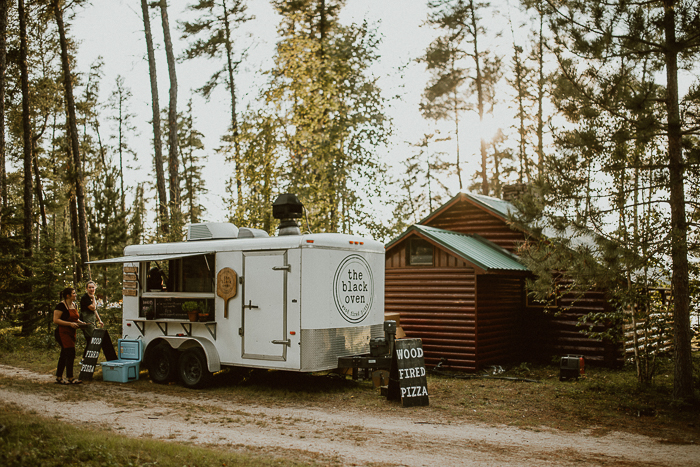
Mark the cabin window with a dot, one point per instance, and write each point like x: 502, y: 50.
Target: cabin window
x: 188, y: 274
x: 420, y: 252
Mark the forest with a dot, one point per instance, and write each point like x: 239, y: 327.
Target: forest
x: 603, y: 140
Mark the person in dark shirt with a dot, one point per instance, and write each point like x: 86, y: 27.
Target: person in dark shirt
x: 66, y: 317
x: 154, y: 280
x: 88, y: 313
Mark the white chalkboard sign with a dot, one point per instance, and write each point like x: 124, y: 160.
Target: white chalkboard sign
x: 407, y: 377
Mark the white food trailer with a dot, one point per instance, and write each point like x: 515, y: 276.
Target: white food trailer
x: 293, y: 302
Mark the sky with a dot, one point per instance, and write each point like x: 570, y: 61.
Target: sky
x: 113, y: 30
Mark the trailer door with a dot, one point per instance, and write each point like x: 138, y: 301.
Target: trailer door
x: 265, y: 305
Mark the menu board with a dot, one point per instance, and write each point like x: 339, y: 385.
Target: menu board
x: 146, y: 304
x: 170, y: 307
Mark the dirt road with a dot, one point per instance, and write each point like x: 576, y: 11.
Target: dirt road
x: 351, y: 437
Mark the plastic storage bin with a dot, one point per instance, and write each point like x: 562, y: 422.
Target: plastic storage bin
x: 127, y: 367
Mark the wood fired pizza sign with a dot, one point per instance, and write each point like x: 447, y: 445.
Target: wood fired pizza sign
x: 353, y: 288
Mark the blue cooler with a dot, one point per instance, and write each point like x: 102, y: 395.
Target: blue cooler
x: 126, y: 368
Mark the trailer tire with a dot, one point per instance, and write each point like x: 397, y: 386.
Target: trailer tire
x: 162, y: 364
x: 193, y: 369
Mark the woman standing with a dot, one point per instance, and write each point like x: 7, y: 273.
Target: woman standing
x: 66, y: 316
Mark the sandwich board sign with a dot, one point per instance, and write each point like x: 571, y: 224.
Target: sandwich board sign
x: 407, y: 377
x: 99, y: 341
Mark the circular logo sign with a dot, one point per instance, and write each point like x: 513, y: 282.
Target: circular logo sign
x: 353, y: 288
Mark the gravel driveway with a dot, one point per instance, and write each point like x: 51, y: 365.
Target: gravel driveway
x: 349, y: 436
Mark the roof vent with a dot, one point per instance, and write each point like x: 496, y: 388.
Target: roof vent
x: 247, y: 232
x: 211, y: 231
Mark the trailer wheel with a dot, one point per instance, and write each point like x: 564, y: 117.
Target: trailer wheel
x: 194, y: 372
x: 162, y: 364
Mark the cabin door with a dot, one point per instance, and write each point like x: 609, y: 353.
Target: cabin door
x: 265, y: 305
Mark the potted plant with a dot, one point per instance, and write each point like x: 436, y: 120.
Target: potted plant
x: 150, y: 313
x: 204, y: 312
x: 192, y: 309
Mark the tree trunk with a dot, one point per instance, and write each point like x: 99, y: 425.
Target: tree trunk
x: 39, y: 188
x: 234, y: 117
x: 4, y: 6
x: 173, y: 163
x: 480, y: 100
x: 120, y: 137
x: 683, y: 366
x: 74, y: 231
x: 157, y: 143
x: 75, y: 144
x: 456, y: 111
x: 540, y: 99
x: 28, y: 312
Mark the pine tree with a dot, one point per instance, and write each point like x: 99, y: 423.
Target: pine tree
x: 29, y: 310
x: 123, y: 119
x: 191, y: 144
x: 161, y: 198
x: 137, y: 230
x: 108, y: 233
x: 173, y: 159
x: 426, y: 170
x: 618, y: 86
x: 444, y: 97
x: 57, y: 8
x: 213, y: 38
x: 4, y: 7
x: 463, y: 41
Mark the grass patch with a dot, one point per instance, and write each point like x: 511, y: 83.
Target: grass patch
x: 28, y: 440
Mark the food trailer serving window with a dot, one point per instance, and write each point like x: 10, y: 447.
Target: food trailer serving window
x: 183, y: 272
x: 186, y: 274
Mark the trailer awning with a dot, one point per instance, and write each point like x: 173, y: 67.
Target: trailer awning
x: 139, y: 258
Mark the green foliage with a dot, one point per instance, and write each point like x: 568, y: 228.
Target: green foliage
x: 108, y: 231
x: 192, y: 306
x: 614, y: 168
x: 211, y: 35
x: 330, y: 113
x: 260, y: 147
x: 190, y: 141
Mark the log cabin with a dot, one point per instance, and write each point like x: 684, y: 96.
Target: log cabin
x: 456, y: 282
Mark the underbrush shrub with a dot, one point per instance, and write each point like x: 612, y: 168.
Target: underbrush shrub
x: 112, y: 317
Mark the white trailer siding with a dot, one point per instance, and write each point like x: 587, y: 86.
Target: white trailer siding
x: 302, y: 301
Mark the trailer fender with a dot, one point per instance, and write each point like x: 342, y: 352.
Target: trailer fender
x: 184, y: 343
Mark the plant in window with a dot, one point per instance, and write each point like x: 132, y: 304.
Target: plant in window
x: 192, y: 309
x: 204, y: 312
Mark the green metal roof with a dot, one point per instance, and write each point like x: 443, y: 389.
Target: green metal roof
x: 472, y: 248
x: 499, y: 206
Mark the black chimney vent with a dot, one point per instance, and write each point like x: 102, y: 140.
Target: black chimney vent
x: 287, y: 207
